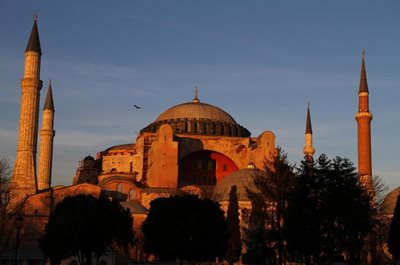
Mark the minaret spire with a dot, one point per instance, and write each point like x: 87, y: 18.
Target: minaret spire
x: 47, y: 134
x: 363, y: 76
x: 49, y: 104
x: 308, y: 147
x: 34, y: 41
x: 308, y: 121
x: 24, y: 174
x: 363, y: 118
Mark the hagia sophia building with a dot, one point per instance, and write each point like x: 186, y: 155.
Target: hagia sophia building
x: 191, y: 147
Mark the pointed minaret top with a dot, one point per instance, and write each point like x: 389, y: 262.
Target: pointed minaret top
x: 196, y: 95
x: 49, y: 104
x: 308, y: 122
x: 34, y: 42
x: 363, y: 78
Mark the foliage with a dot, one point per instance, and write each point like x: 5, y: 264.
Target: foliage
x: 273, y: 190
x: 394, y: 232
x: 329, y: 213
x: 303, y: 221
x: 234, y: 243
x: 83, y: 225
x: 5, y: 172
x: 185, y: 228
x: 9, y: 207
x: 257, y: 250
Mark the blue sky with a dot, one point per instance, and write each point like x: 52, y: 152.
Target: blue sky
x: 261, y: 61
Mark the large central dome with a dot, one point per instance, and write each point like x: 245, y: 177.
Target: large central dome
x: 196, y: 110
x: 198, y: 118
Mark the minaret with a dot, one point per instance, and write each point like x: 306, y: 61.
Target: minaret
x: 46, y: 142
x: 308, y: 147
x: 24, y: 175
x: 364, y: 117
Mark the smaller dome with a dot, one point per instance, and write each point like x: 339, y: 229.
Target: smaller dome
x: 88, y: 158
x: 241, y: 178
x: 389, y: 203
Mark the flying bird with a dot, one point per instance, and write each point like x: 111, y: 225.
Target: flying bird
x: 136, y: 106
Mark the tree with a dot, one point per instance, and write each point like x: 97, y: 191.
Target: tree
x: 83, y: 226
x: 234, y: 244
x: 341, y: 214
x: 303, y: 220
x: 185, y: 228
x: 394, y: 232
x: 275, y: 188
x: 9, y: 208
x: 257, y: 248
x: 271, y: 196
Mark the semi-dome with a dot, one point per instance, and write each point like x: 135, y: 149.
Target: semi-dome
x: 198, y: 118
x: 389, y: 203
x: 242, y: 178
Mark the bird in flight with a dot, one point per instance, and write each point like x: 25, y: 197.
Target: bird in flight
x: 136, y: 106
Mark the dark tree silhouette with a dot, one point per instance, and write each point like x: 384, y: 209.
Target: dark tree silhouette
x: 276, y: 187
x: 257, y: 248
x: 185, y: 228
x: 84, y: 226
x: 394, y: 232
x: 302, y: 225
x: 337, y: 214
x: 10, y: 207
x: 273, y: 190
x: 234, y: 244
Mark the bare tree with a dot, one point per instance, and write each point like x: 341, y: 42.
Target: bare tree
x: 8, y: 209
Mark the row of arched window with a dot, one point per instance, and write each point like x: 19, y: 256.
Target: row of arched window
x: 197, y: 180
x: 201, y: 126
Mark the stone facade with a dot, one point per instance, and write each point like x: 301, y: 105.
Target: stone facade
x: 47, y: 134
x: 24, y: 175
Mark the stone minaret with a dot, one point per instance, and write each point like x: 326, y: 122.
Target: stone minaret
x: 47, y: 134
x: 24, y: 175
x: 364, y: 117
x: 308, y: 147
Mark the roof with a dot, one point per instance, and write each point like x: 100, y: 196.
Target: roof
x: 242, y: 178
x: 161, y: 190
x: 198, y: 118
x: 135, y: 207
x: 49, y: 103
x: 120, y: 147
x: 389, y: 203
x: 363, y: 77
x: 308, y: 122
x: 196, y: 110
x: 89, y: 157
x: 34, y: 42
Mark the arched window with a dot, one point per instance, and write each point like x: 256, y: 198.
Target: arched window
x: 131, y: 195
x: 120, y: 187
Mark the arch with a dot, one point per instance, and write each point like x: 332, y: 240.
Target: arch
x: 120, y: 187
x: 204, y: 167
x: 131, y: 194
